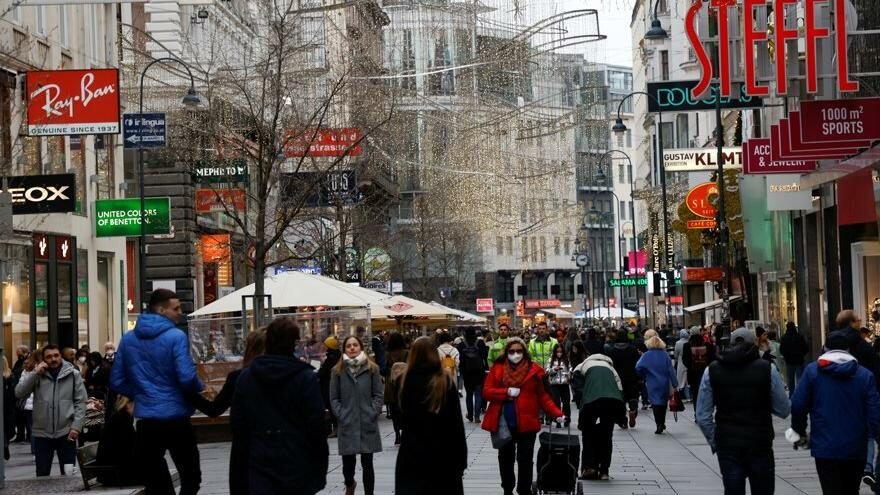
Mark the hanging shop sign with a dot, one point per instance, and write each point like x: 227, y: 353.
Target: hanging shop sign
x: 221, y: 171
x: 813, y: 28
x: 675, y: 96
x: 122, y: 217
x: 700, y: 200
x: 324, y: 143
x: 628, y: 282
x: 322, y: 189
x: 222, y: 200
x: 701, y: 224
x: 757, y: 160
x: 793, y: 126
x: 67, y: 102
x: 542, y: 303
x: 784, y: 193
x: 836, y: 121
x: 701, y: 159
x: 143, y: 130
x: 781, y: 148
x: 708, y: 274
x: 35, y: 194
x: 485, y: 305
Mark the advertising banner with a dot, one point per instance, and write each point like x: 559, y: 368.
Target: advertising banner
x: 122, y: 217
x: 701, y: 159
x: 780, y: 150
x: 210, y: 200
x: 836, y: 121
x: 35, y: 194
x: 324, y: 142
x: 713, y: 274
x: 757, y: 160
x: 792, y: 127
x: 67, y: 102
x: 485, y: 305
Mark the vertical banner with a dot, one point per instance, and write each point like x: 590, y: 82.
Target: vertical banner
x: 859, y: 203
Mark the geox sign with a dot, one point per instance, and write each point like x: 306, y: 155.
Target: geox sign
x: 42, y: 193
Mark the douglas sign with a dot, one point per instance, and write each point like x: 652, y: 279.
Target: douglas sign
x: 784, y: 31
x: 69, y: 102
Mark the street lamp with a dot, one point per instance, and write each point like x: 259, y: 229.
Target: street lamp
x: 191, y: 99
x: 619, y: 128
x: 656, y: 33
x: 632, y: 205
x: 582, y: 260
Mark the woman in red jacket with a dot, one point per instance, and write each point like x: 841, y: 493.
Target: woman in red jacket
x: 515, y: 391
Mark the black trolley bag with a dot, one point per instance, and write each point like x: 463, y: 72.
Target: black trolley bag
x: 558, y: 460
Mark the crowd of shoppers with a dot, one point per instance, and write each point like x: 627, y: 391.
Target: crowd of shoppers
x: 282, y: 409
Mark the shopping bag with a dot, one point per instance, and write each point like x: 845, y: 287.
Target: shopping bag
x: 675, y: 403
x: 503, y: 436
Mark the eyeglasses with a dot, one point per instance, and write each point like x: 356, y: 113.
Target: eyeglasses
x: 513, y: 352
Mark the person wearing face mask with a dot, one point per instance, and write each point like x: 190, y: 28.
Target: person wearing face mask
x: 356, y: 398
x: 516, y: 394
x: 559, y: 375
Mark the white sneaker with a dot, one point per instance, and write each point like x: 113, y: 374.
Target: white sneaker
x: 70, y: 470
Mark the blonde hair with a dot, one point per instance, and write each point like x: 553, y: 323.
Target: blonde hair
x: 655, y: 342
x: 7, y: 371
x: 650, y: 333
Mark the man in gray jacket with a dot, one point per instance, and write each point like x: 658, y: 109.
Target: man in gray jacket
x: 59, y: 409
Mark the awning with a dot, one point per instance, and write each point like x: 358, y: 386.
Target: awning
x: 559, y: 313
x: 698, y: 308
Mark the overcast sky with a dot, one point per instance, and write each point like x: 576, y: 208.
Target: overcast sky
x: 614, y: 17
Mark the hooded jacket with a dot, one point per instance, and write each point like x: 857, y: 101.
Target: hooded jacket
x: 153, y: 367
x: 596, y: 379
x: 843, y: 404
x: 625, y: 356
x: 59, y: 402
x: 793, y: 347
x: 278, y: 436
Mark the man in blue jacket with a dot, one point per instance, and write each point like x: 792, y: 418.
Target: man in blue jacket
x: 844, y: 407
x: 153, y: 367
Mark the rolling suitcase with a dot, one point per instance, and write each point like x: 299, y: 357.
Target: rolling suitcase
x: 558, y: 461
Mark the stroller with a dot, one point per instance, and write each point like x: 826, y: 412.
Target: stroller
x: 558, y: 460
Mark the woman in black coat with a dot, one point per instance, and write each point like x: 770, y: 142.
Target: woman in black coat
x: 433, y: 439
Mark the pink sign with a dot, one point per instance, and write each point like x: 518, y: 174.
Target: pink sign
x: 833, y: 121
x: 637, y: 262
x: 485, y: 305
x: 757, y: 160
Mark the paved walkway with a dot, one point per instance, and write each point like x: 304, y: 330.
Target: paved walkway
x: 678, y: 462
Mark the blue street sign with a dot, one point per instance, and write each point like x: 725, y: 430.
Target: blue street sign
x: 144, y: 130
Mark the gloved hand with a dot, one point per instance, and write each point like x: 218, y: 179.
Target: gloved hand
x: 513, y: 392
x: 561, y: 419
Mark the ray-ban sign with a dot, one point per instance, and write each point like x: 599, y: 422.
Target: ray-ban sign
x: 69, y: 102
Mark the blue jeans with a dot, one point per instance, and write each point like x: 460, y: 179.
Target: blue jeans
x: 473, y: 399
x: 757, y: 466
x: 793, y: 376
x: 44, y: 451
x: 872, y: 463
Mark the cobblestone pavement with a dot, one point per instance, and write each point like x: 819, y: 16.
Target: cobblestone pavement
x: 678, y: 462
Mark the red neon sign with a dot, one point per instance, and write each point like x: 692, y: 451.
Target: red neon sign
x: 813, y: 32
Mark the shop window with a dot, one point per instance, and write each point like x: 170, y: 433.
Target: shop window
x: 16, y: 302
x: 566, y: 287
x: 537, y: 287
x: 82, y: 295
x: 499, y: 245
x: 505, y: 289
x: 78, y: 168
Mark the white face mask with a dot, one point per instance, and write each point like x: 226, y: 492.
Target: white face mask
x: 515, y: 358
x: 82, y: 360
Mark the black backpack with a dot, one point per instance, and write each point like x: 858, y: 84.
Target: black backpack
x: 470, y: 361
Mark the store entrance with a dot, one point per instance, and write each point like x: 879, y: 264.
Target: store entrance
x: 54, y: 291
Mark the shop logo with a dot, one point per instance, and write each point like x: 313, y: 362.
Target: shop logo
x: 43, y: 246
x: 65, y: 246
x: 38, y: 194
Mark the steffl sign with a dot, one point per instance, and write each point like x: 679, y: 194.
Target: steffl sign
x: 812, y: 29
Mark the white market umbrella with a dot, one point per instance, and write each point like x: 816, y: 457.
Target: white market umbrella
x: 295, y: 289
x: 609, y: 313
x: 461, y: 315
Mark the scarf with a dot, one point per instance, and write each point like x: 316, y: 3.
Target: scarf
x: 514, y: 376
x: 356, y: 364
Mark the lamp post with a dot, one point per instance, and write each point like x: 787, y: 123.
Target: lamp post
x: 190, y: 99
x: 632, y: 209
x: 582, y: 260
